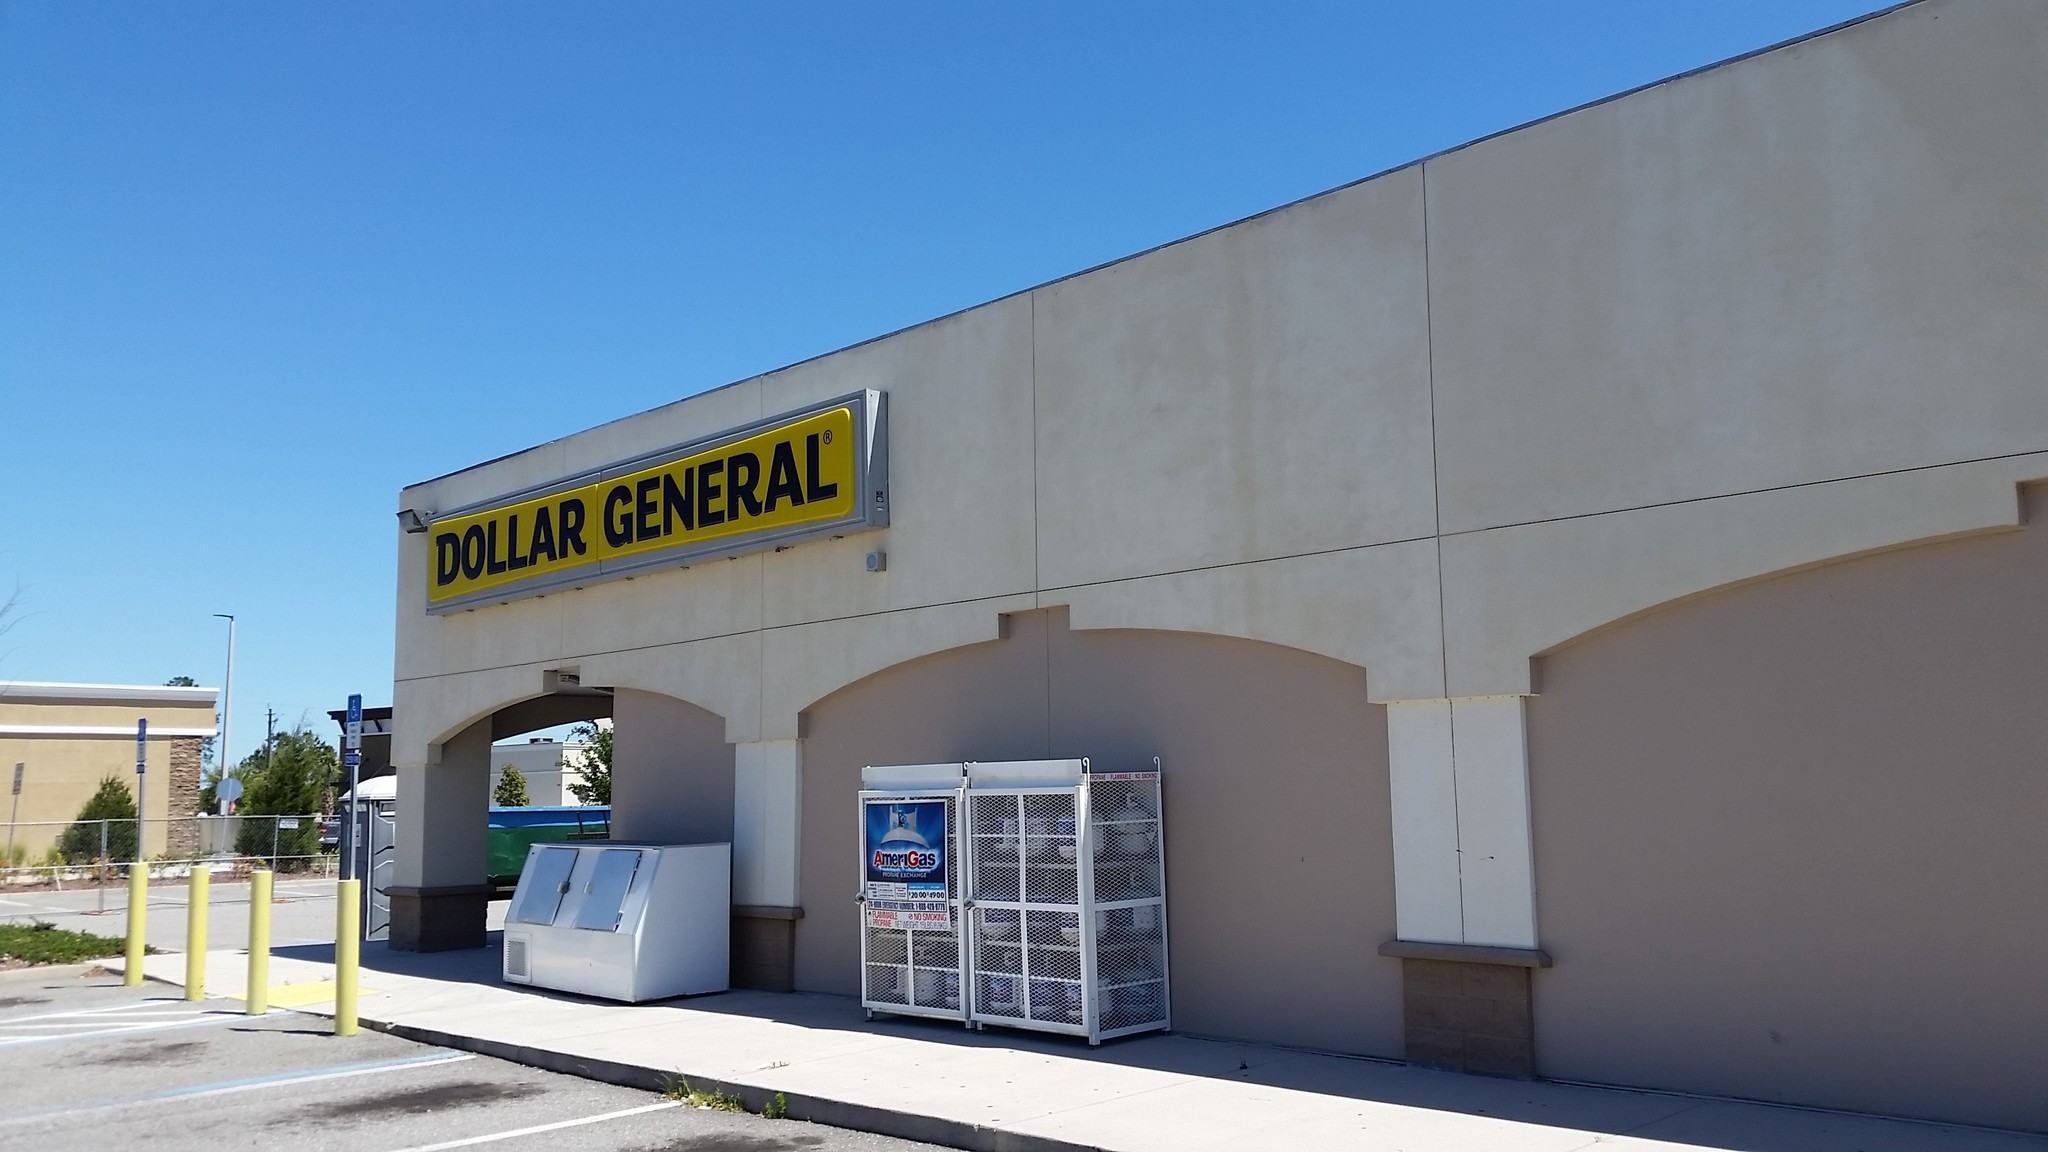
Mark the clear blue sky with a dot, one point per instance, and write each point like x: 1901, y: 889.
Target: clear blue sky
x: 262, y: 264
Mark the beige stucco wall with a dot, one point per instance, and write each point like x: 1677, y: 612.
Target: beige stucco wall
x: 1279, y: 862
x: 1451, y: 417
x: 63, y: 770
x: 1788, y: 838
x: 671, y: 771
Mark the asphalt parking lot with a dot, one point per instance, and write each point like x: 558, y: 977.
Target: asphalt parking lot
x: 302, y: 912
x: 89, y: 1065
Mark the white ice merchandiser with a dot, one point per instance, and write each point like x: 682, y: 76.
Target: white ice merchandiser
x: 1044, y: 907
x: 625, y: 922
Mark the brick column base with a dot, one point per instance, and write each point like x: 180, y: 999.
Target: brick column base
x: 1465, y: 1008
x: 439, y: 919
x: 764, y: 947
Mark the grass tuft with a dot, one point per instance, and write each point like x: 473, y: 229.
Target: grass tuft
x: 698, y: 1098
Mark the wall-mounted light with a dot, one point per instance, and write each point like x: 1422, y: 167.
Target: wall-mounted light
x: 413, y: 521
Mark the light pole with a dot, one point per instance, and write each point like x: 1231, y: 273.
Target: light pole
x: 227, y: 697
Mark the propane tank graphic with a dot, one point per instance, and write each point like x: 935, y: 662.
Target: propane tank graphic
x: 903, y: 828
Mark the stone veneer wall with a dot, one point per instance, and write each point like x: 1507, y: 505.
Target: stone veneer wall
x: 183, y: 797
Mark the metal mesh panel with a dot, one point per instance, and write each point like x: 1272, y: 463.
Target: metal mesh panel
x: 1053, y: 962
x: 1128, y: 871
x: 998, y: 847
x: 1124, y: 817
x: 888, y: 957
x: 1068, y: 930
x: 935, y: 970
x: 1048, y: 846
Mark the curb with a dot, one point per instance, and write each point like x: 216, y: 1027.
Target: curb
x: 48, y: 971
x: 816, y: 1109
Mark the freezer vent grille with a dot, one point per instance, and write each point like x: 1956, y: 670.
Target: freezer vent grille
x: 515, y: 960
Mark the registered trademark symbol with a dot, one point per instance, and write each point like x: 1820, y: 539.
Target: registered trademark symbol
x: 828, y: 435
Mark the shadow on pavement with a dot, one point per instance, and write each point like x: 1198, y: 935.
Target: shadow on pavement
x: 1705, y: 1122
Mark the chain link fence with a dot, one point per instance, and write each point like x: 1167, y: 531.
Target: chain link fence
x: 87, y: 853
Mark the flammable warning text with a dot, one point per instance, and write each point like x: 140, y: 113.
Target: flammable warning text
x: 799, y: 473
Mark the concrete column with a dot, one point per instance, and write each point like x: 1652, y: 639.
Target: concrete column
x: 766, y: 840
x: 438, y: 897
x: 1464, y: 882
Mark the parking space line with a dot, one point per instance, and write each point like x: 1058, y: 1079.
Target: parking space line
x: 539, y: 1128
x: 143, y: 1006
x: 224, y: 1088
x: 7, y: 1042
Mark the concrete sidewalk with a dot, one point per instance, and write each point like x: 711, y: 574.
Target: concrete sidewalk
x: 1006, y: 1091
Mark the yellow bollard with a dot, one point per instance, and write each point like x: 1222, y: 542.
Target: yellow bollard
x: 256, y: 1000
x: 195, y: 932
x: 348, y: 950
x: 138, y: 913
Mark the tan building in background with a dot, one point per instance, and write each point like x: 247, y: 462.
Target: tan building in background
x: 549, y: 766
x: 66, y: 738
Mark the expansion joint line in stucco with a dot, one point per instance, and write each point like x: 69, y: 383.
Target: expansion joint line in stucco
x: 1503, y: 596
x: 1436, y: 485
x: 1681, y: 502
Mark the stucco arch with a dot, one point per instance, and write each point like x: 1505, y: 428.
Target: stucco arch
x: 1760, y: 812
x: 1262, y: 745
x: 433, y: 712
x: 1512, y: 594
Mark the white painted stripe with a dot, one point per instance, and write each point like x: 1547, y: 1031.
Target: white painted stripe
x: 97, y: 730
x: 280, y: 1080
x: 20, y: 691
x: 538, y: 1128
x: 131, y: 1030
x: 102, y: 1022
x: 172, y: 1008
x: 337, y: 1074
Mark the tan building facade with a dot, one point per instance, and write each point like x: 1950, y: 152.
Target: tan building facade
x: 1595, y: 569
x: 67, y: 738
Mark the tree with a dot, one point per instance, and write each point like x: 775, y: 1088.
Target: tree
x: 289, y: 776
x: 112, y: 801
x: 593, y: 763
x: 511, y: 790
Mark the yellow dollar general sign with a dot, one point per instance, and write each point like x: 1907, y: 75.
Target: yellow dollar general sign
x: 816, y: 471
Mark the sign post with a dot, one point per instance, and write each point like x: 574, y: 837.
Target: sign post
x: 138, y: 873
x: 352, y: 759
x: 15, y: 814
x: 141, y: 763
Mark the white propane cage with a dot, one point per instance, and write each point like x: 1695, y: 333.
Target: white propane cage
x: 1067, y: 887
x: 912, y: 944
x: 1053, y: 914
x: 622, y: 921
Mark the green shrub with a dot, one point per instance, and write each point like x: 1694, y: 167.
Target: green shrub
x: 260, y: 837
x: 80, y: 843
x: 45, y: 943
